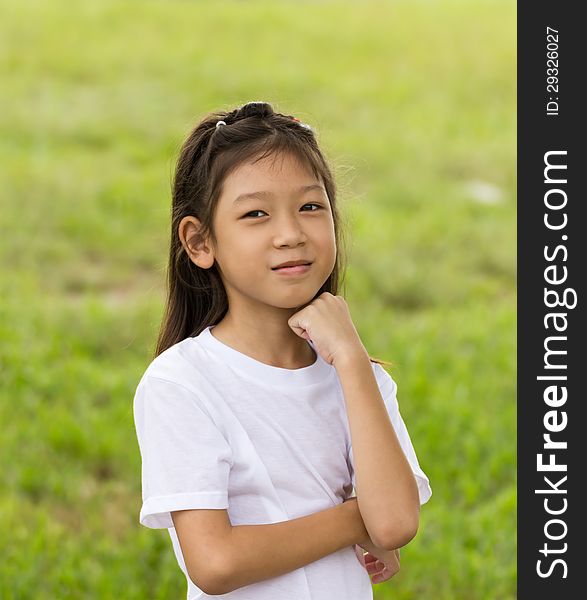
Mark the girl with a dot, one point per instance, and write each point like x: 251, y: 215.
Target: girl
x: 262, y: 411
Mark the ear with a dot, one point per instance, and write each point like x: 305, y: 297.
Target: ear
x: 197, y: 248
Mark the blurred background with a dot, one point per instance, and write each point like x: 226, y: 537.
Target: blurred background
x: 414, y: 103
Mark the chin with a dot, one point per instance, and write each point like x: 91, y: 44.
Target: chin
x: 296, y: 300
x: 286, y: 299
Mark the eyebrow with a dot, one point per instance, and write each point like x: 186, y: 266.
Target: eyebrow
x: 264, y: 194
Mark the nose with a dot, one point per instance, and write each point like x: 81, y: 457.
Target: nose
x: 288, y: 232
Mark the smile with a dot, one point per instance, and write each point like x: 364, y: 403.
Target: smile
x: 296, y: 270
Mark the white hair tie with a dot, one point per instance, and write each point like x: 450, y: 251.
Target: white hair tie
x: 220, y: 123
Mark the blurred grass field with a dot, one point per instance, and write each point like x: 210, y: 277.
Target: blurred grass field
x: 414, y: 104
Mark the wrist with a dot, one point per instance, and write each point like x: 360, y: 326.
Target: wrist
x: 351, y: 358
x: 360, y: 534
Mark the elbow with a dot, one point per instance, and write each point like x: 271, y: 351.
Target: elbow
x: 213, y: 580
x: 399, y: 533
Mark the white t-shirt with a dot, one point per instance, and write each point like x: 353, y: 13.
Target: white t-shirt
x: 219, y: 429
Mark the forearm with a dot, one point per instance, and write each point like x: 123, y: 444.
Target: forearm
x: 386, y: 489
x: 258, y: 552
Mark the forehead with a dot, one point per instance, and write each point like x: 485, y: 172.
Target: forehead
x: 276, y: 171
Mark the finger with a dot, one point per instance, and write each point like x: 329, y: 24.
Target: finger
x: 375, y: 567
x: 297, y: 329
x: 384, y: 575
x: 297, y: 321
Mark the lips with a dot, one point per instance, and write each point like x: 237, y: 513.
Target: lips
x: 293, y: 271
x: 291, y: 263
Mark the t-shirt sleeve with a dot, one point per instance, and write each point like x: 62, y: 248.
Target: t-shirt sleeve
x: 388, y: 388
x: 186, y: 460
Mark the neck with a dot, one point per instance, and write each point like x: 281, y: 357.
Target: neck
x: 267, y: 338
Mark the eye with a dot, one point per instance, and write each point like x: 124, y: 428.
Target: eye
x: 252, y: 212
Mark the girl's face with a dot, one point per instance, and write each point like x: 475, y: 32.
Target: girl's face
x: 288, y: 218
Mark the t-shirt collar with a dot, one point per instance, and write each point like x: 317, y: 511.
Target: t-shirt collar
x: 317, y: 372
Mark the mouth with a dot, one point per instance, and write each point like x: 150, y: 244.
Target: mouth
x: 293, y: 269
x: 292, y: 263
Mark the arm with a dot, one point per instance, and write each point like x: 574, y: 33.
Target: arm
x: 221, y: 558
x: 386, y: 489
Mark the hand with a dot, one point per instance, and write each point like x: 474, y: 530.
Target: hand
x: 380, y: 564
x: 327, y: 323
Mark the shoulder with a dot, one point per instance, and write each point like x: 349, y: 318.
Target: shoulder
x: 181, y: 365
x: 173, y: 387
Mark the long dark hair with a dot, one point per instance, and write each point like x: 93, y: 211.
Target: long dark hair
x: 196, y: 297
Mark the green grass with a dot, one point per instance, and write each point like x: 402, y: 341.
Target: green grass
x: 414, y: 103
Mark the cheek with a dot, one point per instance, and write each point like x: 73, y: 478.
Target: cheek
x: 237, y: 243
x: 245, y: 257
x: 327, y: 241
